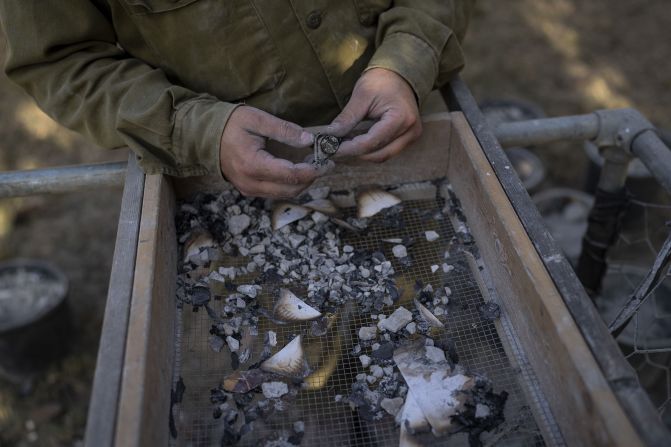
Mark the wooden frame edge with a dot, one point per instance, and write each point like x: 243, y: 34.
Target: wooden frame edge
x: 144, y: 403
x: 106, y: 387
x: 522, y: 280
x: 617, y: 370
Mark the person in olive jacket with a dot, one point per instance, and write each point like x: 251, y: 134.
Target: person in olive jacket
x: 196, y: 87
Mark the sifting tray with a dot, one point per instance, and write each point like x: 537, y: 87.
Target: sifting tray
x: 558, y: 391
x: 329, y: 421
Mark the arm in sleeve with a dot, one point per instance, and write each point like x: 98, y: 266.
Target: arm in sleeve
x: 67, y: 59
x: 420, y: 40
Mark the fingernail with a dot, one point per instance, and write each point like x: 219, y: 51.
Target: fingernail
x: 307, y: 138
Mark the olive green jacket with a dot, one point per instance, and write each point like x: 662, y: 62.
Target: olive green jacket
x: 162, y: 76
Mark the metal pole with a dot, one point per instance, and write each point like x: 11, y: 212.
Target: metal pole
x: 610, y: 204
x: 620, y: 134
x: 547, y: 130
x: 654, y: 154
x: 603, y: 125
x: 62, y: 179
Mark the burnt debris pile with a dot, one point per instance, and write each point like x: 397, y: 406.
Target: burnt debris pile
x: 293, y: 302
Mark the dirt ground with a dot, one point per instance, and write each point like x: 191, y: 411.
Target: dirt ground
x: 567, y: 56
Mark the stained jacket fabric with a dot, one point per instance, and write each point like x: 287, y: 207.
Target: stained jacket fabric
x: 163, y: 76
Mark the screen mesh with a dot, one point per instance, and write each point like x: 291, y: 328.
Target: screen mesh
x: 327, y: 419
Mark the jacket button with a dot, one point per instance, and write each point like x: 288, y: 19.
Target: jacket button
x: 314, y: 19
x: 367, y: 19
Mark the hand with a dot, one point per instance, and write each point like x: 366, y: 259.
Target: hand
x: 256, y: 172
x: 386, y: 97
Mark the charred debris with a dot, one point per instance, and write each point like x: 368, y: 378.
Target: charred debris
x: 290, y: 290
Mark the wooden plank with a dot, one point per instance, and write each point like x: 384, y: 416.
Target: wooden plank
x: 616, y: 369
x: 581, y: 398
x: 422, y: 160
x: 107, y: 379
x: 147, y: 375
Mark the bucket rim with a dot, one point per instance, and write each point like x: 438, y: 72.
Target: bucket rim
x: 50, y: 270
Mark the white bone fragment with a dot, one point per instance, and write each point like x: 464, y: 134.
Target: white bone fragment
x: 289, y: 361
x: 437, y: 390
x: 373, y: 201
x: 291, y: 308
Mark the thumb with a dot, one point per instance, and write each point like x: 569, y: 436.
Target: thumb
x: 283, y: 131
x: 353, y: 113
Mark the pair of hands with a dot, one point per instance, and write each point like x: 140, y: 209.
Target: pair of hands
x: 380, y: 94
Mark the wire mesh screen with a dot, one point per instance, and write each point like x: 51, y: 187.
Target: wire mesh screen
x: 323, y: 415
x: 646, y: 340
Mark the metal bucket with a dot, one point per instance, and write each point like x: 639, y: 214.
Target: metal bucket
x: 34, y: 317
x: 528, y: 166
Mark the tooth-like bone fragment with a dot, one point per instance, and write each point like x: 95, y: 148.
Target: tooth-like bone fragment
x: 285, y: 213
x: 289, y: 361
x: 373, y: 201
x: 291, y: 308
x: 198, y: 241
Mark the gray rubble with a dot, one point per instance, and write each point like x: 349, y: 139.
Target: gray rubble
x: 233, y: 344
x: 309, y: 252
x: 482, y: 411
x: 367, y: 333
x: 273, y: 390
x: 392, y: 406
x: 399, y: 251
x: 249, y: 290
x: 397, y: 320
x: 271, y: 338
x: 431, y: 236
x: 216, y: 343
x: 377, y: 371
x: 238, y: 224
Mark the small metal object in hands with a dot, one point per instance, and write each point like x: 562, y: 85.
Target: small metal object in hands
x: 325, y: 146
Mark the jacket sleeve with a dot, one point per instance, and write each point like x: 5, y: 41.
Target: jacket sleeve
x: 420, y: 40
x: 67, y: 59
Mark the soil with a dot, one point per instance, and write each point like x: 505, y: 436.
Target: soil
x: 567, y: 56
x: 76, y: 233
x: 571, y: 57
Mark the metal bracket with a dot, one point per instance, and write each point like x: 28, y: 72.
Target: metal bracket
x: 620, y: 127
